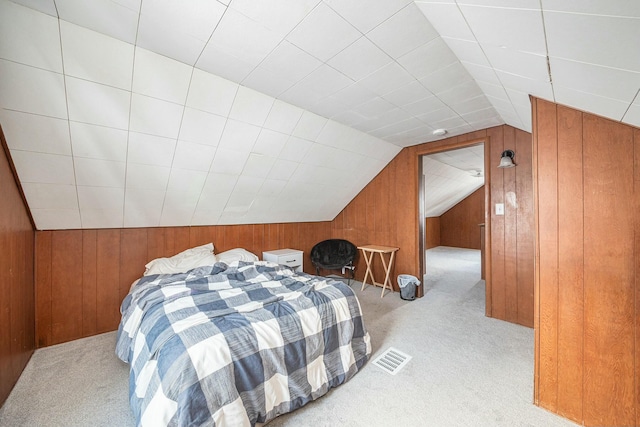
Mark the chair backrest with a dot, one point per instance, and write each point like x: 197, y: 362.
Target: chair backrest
x: 333, y: 253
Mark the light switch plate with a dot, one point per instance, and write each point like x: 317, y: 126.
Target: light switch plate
x: 499, y: 208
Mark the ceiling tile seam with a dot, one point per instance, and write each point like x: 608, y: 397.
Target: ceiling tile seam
x: 493, y: 69
x: 175, y: 149
x: 636, y: 97
x: 126, y: 156
x: 66, y: 103
x: 204, y: 47
x: 546, y: 48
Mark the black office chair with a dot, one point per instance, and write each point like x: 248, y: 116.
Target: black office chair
x: 335, y: 254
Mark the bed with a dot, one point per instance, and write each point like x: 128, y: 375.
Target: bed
x: 236, y: 343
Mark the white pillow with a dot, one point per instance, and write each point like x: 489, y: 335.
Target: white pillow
x: 182, y: 262
x: 237, y: 254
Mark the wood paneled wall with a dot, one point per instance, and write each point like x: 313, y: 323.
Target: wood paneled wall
x: 17, y: 308
x: 587, y: 323
x: 386, y: 213
x: 459, y: 226
x: 432, y: 232
x: 82, y: 276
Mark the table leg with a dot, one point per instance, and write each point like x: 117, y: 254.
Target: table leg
x: 367, y: 273
x: 387, y: 269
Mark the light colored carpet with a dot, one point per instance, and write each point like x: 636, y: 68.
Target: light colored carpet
x: 467, y: 370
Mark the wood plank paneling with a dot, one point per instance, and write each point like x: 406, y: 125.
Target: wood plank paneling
x: 525, y: 229
x: 546, y: 144
x: 89, y: 283
x: 43, y: 288
x: 608, y: 273
x: 510, y: 221
x: 586, y: 355
x: 108, y: 265
x: 17, y: 289
x: 497, y: 227
x: 66, y: 286
x: 571, y: 257
x: 432, y: 232
x: 459, y: 226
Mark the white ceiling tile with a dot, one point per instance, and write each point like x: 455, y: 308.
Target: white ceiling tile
x: 250, y: 106
x: 19, y: 43
x: 231, y: 35
x: 282, y: 170
x: 522, y: 4
x: 596, y: 7
x: 272, y: 187
x: 50, y: 196
x: 100, y: 198
x: 328, y: 107
x: 595, y: 104
x: 424, y: 105
x: 95, y: 57
x: 411, y: 92
x: 277, y: 15
x: 142, y: 208
x: 173, y: 216
x: 472, y: 104
x: 99, y: 173
x: 360, y: 59
x: 228, y: 161
x: 30, y: 132
x: 147, y: 177
x: 294, y: 150
x: 32, y: 90
x: 495, y: 91
x: 481, y: 73
x: 56, y: 219
x: 155, y: 117
x: 203, y: 217
x: 100, y: 16
x: 301, y: 95
x: 97, y: 104
x: 517, y: 29
x: 519, y: 98
x: 447, y: 19
x: 376, y: 12
x: 98, y: 142
x: 594, y: 39
x: 201, y: 127
x: 374, y: 108
x: 290, y: 62
x: 218, y: 62
x: 211, y: 93
x: 185, y: 185
x: 309, y: 126
x: 257, y: 166
x: 539, y: 88
x: 43, y: 168
x: 602, y: 81
x: 178, y: 30
x: 403, y: 32
x: 191, y: 156
x: 428, y: 58
x: 528, y: 65
x: 160, y: 77
x: 467, y: 51
x: 239, y: 136
x: 448, y: 76
x: 387, y: 79
x: 150, y: 150
x: 267, y: 82
x: 437, y: 115
x: 460, y: 93
x: 324, y: 80
x: 217, y: 186
x: 283, y: 117
x: 323, y: 33
x: 247, y: 185
x: 44, y: 6
x: 269, y: 142
x: 102, y: 218
x: 353, y: 95
x: 476, y: 116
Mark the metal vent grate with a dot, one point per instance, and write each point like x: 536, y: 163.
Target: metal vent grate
x: 392, y: 360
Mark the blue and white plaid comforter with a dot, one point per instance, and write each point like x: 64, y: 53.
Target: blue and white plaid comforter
x: 236, y: 345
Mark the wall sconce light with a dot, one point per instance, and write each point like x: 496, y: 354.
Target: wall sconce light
x: 506, y: 159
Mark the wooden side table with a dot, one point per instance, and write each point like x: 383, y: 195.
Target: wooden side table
x: 368, y: 252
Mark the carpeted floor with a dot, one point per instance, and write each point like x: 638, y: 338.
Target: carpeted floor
x: 466, y: 370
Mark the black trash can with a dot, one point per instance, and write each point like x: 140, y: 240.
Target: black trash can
x: 408, y: 285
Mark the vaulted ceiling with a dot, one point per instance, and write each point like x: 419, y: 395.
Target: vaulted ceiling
x: 127, y: 113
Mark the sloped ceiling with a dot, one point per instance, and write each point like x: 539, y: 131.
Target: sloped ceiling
x: 451, y: 176
x: 156, y: 112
